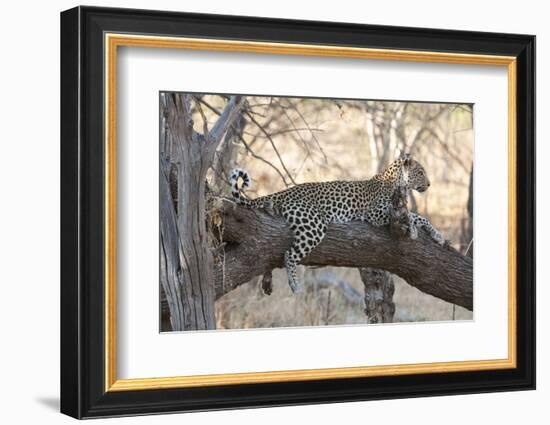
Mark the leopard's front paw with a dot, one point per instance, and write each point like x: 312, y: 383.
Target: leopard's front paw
x: 438, y: 237
x: 270, y: 208
x: 413, y: 231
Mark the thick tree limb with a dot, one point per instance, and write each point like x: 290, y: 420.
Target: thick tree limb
x: 256, y: 242
x: 226, y: 119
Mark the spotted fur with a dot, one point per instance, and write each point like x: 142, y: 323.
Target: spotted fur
x: 308, y: 208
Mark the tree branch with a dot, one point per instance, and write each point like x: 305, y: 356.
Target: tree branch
x: 256, y: 242
x: 264, y: 131
x: 247, y: 147
x: 226, y: 119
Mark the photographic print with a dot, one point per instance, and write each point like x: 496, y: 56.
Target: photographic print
x: 285, y: 211
x: 331, y: 212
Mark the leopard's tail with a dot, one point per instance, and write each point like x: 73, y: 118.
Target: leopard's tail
x: 238, y: 175
x: 239, y: 180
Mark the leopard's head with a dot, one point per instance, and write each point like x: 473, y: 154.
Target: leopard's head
x: 416, y: 177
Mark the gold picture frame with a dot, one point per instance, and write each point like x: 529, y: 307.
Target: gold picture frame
x: 114, y: 41
x: 91, y: 41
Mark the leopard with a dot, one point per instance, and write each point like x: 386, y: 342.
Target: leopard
x: 309, y: 208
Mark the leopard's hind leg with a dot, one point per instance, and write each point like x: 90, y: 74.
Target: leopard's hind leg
x: 309, y: 228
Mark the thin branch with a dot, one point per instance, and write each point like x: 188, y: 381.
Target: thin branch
x: 209, y: 106
x: 295, y: 108
x: 247, y: 146
x: 203, y: 117
x: 469, y: 246
x: 265, y: 161
x: 285, y: 113
x: 278, y: 133
x: 448, y: 150
x: 272, y: 145
x: 221, y: 176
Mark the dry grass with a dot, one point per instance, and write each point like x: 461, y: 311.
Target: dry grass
x: 248, y: 307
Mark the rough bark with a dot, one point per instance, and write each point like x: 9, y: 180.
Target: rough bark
x: 176, y: 292
x: 379, y: 289
x: 185, y: 258
x: 267, y: 283
x: 256, y: 241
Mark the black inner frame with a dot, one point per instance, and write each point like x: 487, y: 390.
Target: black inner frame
x: 82, y: 212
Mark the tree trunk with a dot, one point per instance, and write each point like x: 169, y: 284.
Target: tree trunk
x: 175, y: 290
x: 379, y: 289
x: 185, y: 258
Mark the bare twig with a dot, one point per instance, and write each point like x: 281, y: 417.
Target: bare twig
x: 469, y: 246
x: 289, y: 119
x: 448, y: 151
x: 247, y: 146
x: 288, y: 130
x: 204, y: 120
x: 265, y: 161
x: 271, y: 141
x: 309, y: 129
